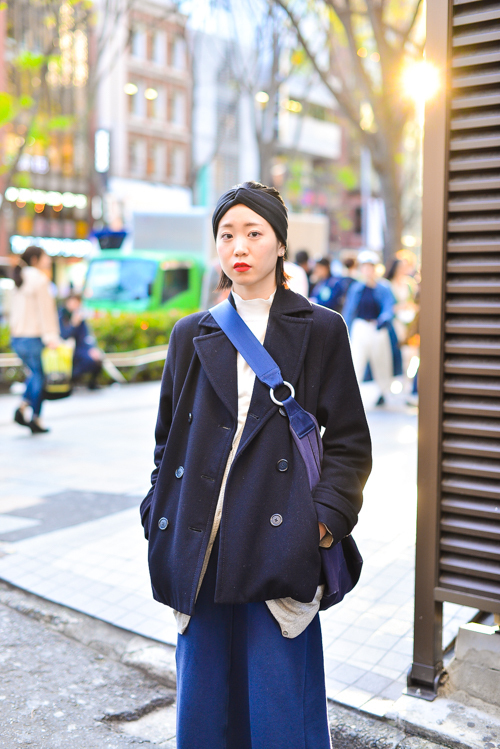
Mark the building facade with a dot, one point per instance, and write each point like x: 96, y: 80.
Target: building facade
x: 144, y: 108
x: 45, y: 141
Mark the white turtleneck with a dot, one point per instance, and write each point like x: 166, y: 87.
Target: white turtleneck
x: 292, y: 616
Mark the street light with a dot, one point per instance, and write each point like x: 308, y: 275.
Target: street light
x: 151, y: 93
x: 420, y: 81
x: 261, y: 97
x: 130, y: 89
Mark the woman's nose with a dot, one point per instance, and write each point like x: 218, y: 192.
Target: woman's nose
x: 240, y: 248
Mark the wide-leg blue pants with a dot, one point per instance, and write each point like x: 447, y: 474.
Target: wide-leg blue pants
x: 242, y: 685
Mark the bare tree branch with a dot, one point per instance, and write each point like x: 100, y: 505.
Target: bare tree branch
x: 340, y: 96
x: 412, y: 23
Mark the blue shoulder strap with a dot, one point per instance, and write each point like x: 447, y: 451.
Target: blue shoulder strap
x: 262, y: 363
x: 247, y: 344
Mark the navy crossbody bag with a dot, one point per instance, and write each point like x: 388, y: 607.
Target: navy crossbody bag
x: 342, y: 562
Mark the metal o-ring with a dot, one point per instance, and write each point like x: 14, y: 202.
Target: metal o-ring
x: 280, y: 403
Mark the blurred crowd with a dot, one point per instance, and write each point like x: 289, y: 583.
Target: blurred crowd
x: 381, y: 308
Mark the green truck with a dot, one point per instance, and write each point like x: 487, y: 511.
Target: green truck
x: 143, y: 280
x: 160, y: 265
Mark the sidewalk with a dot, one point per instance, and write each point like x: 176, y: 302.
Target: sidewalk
x: 70, y: 532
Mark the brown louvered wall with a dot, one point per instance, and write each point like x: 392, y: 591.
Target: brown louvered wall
x: 469, y: 555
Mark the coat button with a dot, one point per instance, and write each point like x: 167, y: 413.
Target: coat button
x: 190, y: 418
x: 282, y: 465
x: 276, y: 520
x: 162, y: 524
x: 179, y: 472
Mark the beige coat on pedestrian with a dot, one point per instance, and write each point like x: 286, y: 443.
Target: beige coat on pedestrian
x: 33, y: 311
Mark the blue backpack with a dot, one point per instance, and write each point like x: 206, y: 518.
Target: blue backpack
x: 342, y: 562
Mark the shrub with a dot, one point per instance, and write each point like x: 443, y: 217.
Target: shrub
x: 123, y: 332
x: 129, y: 332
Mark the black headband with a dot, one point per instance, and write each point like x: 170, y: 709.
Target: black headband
x: 261, y: 202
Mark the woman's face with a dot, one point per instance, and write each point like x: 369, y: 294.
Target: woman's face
x: 248, y: 250
x: 43, y: 263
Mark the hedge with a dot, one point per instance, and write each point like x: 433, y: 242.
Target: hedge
x: 124, y: 332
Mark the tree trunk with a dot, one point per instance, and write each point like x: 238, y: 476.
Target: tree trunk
x: 391, y: 194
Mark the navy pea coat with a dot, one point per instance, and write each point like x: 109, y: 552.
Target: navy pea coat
x: 197, y: 418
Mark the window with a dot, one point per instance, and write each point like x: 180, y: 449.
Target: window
x: 139, y: 42
x: 159, y: 105
x: 178, y: 54
x: 137, y: 157
x: 174, y: 282
x: 178, y: 167
x: 137, y: 105
x: 178, y: 109
x: 159, y: 48
x: 120, y: 280
x: 156, y: 163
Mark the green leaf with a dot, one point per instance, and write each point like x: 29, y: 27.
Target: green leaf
x: 60, y: 123
x: 7, y: 107
x: 347, y: 177
x: 26, y: 102
x: 27, y: 60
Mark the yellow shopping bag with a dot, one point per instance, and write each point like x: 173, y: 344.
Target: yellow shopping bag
x: 57, y: 366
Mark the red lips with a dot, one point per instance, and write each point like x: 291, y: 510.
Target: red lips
x: 240, y: 267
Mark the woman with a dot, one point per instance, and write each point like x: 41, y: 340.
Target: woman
x: 33, y: 325
x: 404, y: 289
x: 368, y: 312
x: 234, y: 531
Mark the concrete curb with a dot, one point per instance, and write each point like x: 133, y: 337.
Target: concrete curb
x: 350, y: 728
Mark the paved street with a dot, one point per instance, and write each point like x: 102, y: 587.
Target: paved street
x: 70, y: 532
x: 57, y: 693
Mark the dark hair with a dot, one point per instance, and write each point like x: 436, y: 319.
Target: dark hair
x: 392, y: 270
x: 349, y: 263
x: 74, y: 295
x: 302, y: 257
x: 324, y: 261
x: 26, y: 259
x: 281, y: 277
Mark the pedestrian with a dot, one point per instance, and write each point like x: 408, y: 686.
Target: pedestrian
x: 87, y: 358
x: 33, y: 325
x: 404, y: 288
x: 303, y: 261
x: 324, y: 283
x: 234, y: 529
x: 343, y: 284
x: 297, y: 279
x: 368, y: 312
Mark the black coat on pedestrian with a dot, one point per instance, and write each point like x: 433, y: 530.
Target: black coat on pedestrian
x: 197, y: 420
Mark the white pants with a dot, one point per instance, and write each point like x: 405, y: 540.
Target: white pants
x: 372, y: 346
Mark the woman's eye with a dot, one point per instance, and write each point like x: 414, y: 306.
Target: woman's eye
x: 226, y: 235
x: 255, y: 234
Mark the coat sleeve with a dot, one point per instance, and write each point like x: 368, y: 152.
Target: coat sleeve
x: 347, y: 461
x: 163, y: 422
x: 387, y: 302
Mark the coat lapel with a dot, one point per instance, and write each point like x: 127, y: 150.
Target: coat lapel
x: 218, y: 359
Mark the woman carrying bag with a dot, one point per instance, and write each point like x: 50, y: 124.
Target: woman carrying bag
x: 33, y: 324
x: 237, y: 539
